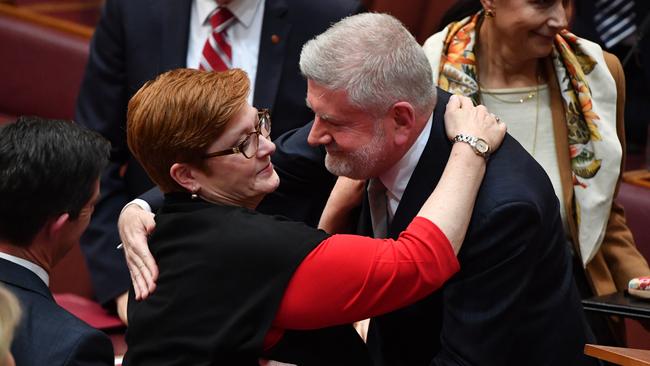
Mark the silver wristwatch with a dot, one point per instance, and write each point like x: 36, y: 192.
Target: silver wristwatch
x: 480, y: 146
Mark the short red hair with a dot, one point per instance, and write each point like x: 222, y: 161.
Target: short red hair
x: 177, y: 116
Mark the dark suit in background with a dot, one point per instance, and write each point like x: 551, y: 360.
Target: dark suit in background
x: 514, y: 301
x: 637, y: 69
x: 47, y: 334
x: 136, y: 41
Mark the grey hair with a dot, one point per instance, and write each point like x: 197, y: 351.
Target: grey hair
x: 375, y: 59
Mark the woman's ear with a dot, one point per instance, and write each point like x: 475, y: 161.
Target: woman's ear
x: 488, y: 5
x: 183, y: 174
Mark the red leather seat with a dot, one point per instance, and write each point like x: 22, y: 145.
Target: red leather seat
x: 40, y: 68
x: 636, y: 201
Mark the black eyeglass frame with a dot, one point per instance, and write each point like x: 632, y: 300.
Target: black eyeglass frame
x: 263, y: 116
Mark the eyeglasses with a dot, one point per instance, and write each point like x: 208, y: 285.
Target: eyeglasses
x: 249, y: 146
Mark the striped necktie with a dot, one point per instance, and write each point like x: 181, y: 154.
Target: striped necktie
x: 217, y: 53
x: 614, y: 20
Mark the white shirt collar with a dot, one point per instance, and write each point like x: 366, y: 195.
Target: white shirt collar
x: 243, y: 10
x: 397, y: 177
x: 38, y: 270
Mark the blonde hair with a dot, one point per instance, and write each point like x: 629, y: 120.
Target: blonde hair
x: 9, y: 317
x: 177, y: 116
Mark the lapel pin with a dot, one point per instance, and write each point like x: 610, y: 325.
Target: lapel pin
x: 275, y: 39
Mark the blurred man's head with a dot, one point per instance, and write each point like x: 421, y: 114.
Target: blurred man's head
x: 371, y: 88
x: 9, y: 319
x: 49, y: 183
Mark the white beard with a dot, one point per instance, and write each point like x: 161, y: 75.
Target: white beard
x: 361, y: 163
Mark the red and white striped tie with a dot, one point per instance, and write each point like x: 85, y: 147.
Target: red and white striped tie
x: 217, y: 53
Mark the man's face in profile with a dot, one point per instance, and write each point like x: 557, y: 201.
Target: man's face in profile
x: 355, y: 141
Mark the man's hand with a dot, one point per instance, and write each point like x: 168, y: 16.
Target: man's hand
x: 134, y: 225
x: 462, y: 117
x: 121, y: 302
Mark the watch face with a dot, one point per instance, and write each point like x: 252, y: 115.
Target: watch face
x: 482, y: 146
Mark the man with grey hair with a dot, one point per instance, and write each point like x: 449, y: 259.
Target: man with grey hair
x: 378, y: 117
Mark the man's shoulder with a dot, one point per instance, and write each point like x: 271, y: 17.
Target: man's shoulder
x: 442, y: 95
x: 513, y: 176
x: 48, y: 334
x: 58, y: 319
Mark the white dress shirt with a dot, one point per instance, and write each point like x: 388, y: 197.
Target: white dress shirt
x: 38, y: 270
x: 397, y: 177
x: 243, y: 35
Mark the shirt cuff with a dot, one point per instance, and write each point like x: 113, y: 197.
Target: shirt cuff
x: 141, y: 203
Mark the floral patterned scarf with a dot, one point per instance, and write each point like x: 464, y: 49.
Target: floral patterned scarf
x: 589, y: 94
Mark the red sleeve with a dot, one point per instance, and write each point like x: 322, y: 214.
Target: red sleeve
x: 349, y: 277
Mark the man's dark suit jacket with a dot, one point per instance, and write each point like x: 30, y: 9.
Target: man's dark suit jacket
x: 585, y: 26
x: 138, y: 40
x: 637, y: 68
x: 47, y: 334
x: 514, y: 301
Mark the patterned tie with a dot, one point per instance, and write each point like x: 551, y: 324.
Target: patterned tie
x: 217, y: 53
x: 614, y: 20
x: 378, y: 208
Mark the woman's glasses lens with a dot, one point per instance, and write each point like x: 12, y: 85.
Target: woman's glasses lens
x: 265, y: 123
x: 250, y: 145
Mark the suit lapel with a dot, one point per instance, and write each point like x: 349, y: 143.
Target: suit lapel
x: 172, y: 18
x: 19, y: 276
x: 428, y: 171
x: 275, y: 26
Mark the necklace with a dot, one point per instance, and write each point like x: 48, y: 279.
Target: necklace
x: 529, y: 96
x: 536, y: 119
x: 521, y: 100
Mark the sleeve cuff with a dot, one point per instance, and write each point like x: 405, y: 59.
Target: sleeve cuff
x: 139, y: 202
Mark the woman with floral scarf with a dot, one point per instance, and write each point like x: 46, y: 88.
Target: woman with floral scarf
x: 562, y: 98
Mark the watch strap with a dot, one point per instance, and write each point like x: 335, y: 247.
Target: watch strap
x: 472, y: 141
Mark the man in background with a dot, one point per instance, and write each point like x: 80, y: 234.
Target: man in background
x: 49, y: 184
x: 621, y: 27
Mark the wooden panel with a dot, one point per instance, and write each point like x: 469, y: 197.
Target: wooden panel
x: 84, y: 12
x: 619, y: 356
x: 639, y: 177
x: 26, y: 46
x: 44, y: 20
